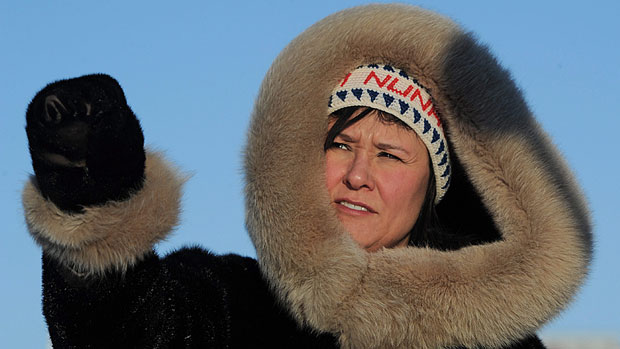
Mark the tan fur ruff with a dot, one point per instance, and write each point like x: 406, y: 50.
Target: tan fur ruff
x: 412, y: 297
x: 112, y: 236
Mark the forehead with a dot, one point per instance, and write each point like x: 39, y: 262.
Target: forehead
x: 378, y: 124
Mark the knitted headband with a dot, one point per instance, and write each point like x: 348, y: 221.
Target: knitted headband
x: 391, y: 90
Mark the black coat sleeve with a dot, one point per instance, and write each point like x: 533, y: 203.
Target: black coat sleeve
x: 145, y: 307
x: 190, y: 298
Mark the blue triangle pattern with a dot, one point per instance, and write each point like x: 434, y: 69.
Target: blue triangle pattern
x: 435, y: 136
x: 403, y: 107
x: 388, y: 99
x: 443, y: 161
x: 446, y: 172
x: 447, y: 183
x: 357, y: 92
x: 416, y: 116
x: 372, y: 94
x: 427, y: 126
x: 441, y: 148
x: 342, y: 95
x: 373, y: 66
x: 329, y: 104
x: 403, y: 74
x: 388, y: 68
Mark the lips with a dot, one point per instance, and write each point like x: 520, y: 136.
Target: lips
x: 354, y: 206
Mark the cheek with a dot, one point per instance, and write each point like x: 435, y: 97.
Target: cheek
x: 404, y: 192
x: 334, y: 170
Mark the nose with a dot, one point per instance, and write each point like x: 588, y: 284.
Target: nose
x: 360, y: 173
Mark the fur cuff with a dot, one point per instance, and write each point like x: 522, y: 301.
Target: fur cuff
x: 112, y: 236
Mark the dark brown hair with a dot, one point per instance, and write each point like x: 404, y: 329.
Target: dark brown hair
x: 427, y: 225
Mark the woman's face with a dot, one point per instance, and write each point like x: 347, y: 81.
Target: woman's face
x: 377, y: 176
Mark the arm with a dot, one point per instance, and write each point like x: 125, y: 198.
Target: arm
x: 96, y: 205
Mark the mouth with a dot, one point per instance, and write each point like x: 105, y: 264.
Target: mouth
x: 355, y: 206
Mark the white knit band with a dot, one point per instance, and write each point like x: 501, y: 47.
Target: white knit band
x: 391, y: 90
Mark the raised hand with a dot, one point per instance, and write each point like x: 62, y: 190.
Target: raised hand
x: 86, y: 143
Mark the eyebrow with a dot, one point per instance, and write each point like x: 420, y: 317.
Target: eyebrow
x: 387, y: 146
x: 345, y: 137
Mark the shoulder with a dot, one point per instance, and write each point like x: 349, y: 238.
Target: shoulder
x: 256, y: 317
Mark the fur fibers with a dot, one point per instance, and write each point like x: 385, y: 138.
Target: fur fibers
x: 489, y: 294
x: 112, y: 236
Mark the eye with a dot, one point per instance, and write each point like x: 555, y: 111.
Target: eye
x: 336, y: 145
x: 389, y: 156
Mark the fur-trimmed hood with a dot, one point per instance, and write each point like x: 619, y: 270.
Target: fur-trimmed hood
x: 508, y: 180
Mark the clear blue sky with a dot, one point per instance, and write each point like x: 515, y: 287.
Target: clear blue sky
x: 191, y: 70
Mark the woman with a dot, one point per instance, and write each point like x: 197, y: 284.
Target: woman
x: 502, y: 233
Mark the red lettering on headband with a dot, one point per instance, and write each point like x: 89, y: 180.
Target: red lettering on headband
x: 379, y: 82
x: 395, y: 90
x: 426, y: 105
x: 422, y: 103
x: 345, y: 79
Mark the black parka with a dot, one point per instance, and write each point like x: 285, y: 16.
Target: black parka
x: 516, y: 245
